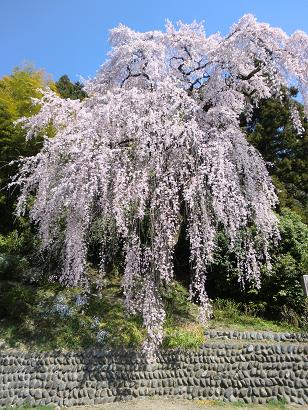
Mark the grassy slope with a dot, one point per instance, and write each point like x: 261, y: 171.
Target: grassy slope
x: 55, y: 320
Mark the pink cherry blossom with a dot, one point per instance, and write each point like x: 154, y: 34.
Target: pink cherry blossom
x: 158, y: 137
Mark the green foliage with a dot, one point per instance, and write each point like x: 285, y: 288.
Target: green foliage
x: 67, y: 89
x: 222, y: 276
x: 182, y: 329
x: 178, y: 308
x: 282, y: 288
x: 16, y: 301
x: 51, y: 317
x: 271, y: 131
x: 282, y: 285
x: 17, y: 249
x: 16, y: 91
x: 20, y: 268
x: 281, y: 295
x: 228, y: 314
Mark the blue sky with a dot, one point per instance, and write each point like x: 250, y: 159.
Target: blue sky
x: 71, y: 36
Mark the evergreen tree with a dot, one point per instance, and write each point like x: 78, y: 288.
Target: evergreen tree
x: 272, y: 132
x: 67, y: 89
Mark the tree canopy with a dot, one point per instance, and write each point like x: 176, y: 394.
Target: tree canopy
x: 159, y: 141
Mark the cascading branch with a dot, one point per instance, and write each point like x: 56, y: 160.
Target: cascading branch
x: 159, y: 136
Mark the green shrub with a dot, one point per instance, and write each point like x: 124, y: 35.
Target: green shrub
x: 281, y: 287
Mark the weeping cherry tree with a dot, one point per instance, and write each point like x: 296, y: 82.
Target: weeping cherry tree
x: 158, y: 140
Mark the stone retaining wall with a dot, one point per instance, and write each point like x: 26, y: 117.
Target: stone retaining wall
x: 221, y: 370
x: 271, y: 336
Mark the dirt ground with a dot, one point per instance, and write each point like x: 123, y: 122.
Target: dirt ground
x: 171, y: 404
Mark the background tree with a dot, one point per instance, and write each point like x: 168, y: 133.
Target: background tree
x: 67, y: 89
x: 272, y: 132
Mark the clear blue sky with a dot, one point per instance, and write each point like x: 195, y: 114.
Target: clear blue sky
x: 71, y: 36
